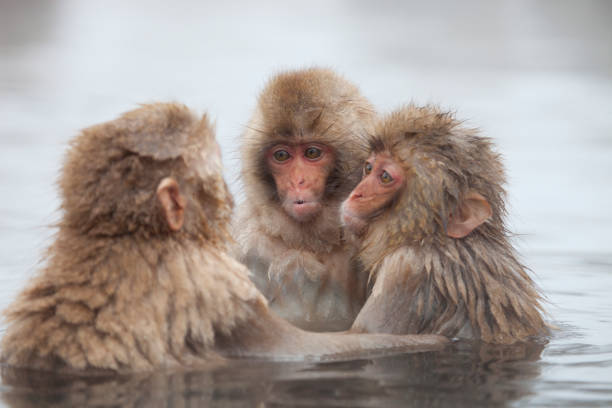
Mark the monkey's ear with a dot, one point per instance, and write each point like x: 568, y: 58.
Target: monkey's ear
x: 473, y: 211
x: 172, y: 203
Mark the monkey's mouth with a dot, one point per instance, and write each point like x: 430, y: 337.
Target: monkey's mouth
x: 306, y: 205
x: 303, y: 210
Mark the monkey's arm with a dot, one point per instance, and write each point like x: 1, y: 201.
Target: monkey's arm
x: 405, y: 301
x: 388, y: 312
x: 269, y: 336
x: 394, y: 305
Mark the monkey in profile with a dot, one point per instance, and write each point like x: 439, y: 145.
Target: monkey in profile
x: 430, y: 211
x: 138, y: 276
x: 299, y: 154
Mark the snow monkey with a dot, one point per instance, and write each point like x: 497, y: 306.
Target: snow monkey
x: 430, y: 210
x: 299, y: 152
x: 138, y: 276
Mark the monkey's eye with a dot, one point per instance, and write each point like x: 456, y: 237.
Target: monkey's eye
x: 281, y: 155
x: 386, y: 178
x: 367, y: 169
x: 312, y: 153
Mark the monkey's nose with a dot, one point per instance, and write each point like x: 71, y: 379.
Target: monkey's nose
x: 298, y: 182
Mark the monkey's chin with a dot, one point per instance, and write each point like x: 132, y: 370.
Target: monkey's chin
x: 353, y: 223
x: 303, y: 211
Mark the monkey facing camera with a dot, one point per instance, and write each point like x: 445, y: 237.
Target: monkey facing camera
x: 301, y: 153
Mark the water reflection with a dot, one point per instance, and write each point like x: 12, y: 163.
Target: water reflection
x: 464, y: 375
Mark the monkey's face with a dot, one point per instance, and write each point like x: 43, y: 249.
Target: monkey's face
x: 383, y: 179
x: 300, y: 173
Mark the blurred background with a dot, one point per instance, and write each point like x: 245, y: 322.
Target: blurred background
x: 536, y: 76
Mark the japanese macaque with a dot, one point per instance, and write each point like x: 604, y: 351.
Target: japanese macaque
x: 299, y: 153
x: 138, y: 277
x: 430, y: 210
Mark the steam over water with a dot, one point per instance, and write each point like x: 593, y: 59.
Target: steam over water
x: 534, y: 75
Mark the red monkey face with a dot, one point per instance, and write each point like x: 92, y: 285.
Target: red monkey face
x: 300, y: 172
x: 383, y: 177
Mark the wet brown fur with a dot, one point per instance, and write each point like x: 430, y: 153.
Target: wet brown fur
x: 427, y: 282
x: 305, y: 269
x: 121, y: 291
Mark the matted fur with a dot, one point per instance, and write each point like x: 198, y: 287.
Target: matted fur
x: 120, y: 291
x: 305, y: 269
x: 426, y: 281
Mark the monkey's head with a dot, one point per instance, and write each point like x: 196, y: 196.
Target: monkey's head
x: 304, y: 141
x: 154, y: 171
x: 427, y: 178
